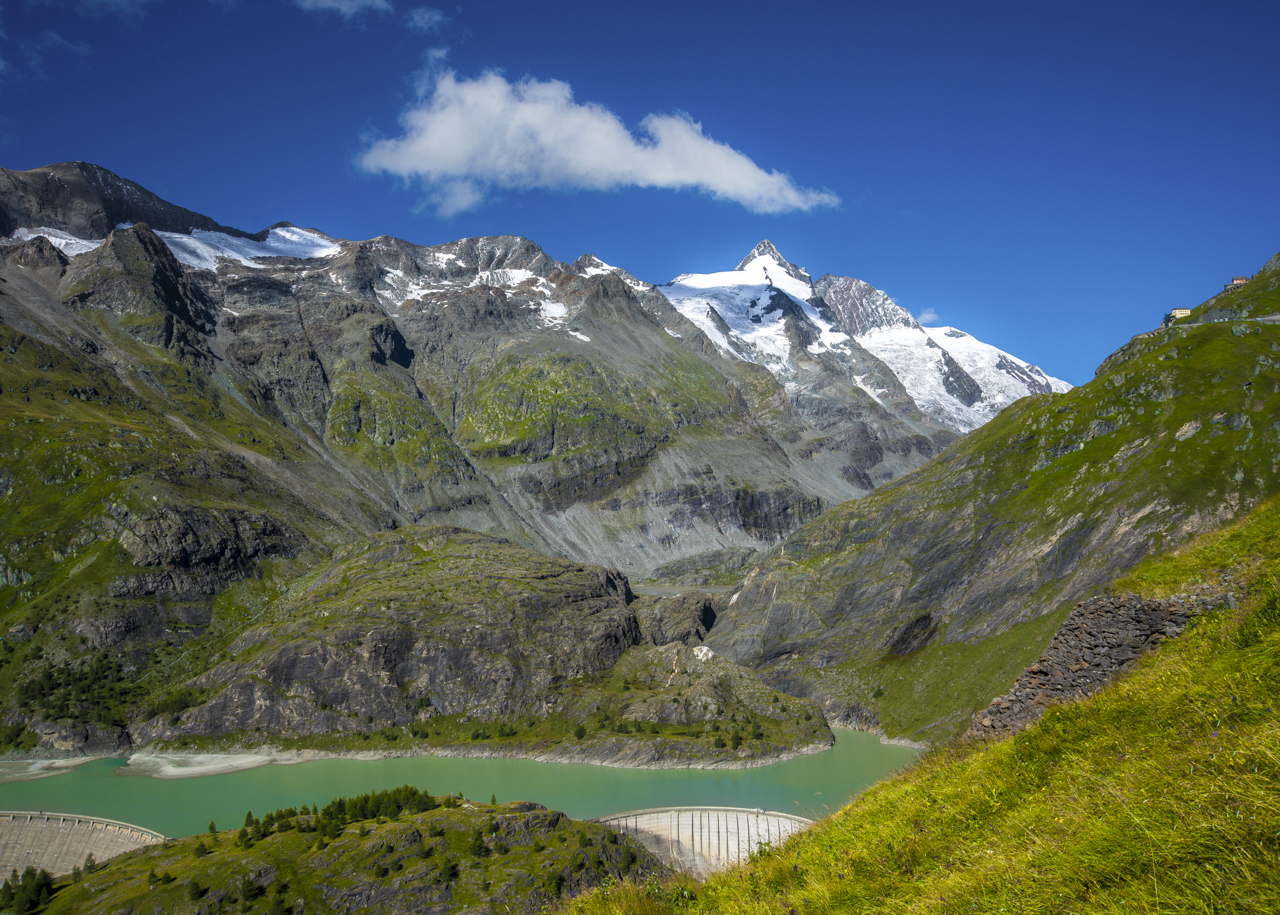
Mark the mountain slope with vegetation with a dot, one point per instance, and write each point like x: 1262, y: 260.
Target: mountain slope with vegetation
x: 1158, y: 794
x: 884, y: 605
x: 391, y: 851
x: 422, y: 640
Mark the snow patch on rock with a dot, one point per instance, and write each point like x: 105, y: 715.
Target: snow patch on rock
x: 64, y: 242
x: 205, y: 250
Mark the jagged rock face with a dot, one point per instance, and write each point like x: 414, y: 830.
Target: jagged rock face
x: 136, y: 279
x: 703, y: 568
x: 199, y: 551
x: 768, y: 311
x: 82, y: 740
x: 953, y: 378
x: 858, y: 307
x: 441, y: 621
x: 37, y: 254
x: 684, y: 618
x: 87, y: 201
x: 765, y: 250
x: 431, y: 621
x: 1101, y: 638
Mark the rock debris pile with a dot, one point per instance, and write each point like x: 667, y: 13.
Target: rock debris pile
x: 1102, y: 636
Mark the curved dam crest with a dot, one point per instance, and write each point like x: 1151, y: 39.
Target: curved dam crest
x: 703, y: 840
x: 57, y: 842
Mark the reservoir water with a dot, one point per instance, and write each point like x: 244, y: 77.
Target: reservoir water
x: 810, y: 786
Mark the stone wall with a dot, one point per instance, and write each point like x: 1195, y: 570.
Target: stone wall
x: 1102, y: 637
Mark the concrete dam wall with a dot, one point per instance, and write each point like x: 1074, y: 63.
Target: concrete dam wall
x: 57, y: 842
x: 702, y: 840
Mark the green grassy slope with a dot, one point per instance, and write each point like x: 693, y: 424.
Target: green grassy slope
x: 1059, y: 494
x: 455, y: 856
x: 1159, y: 794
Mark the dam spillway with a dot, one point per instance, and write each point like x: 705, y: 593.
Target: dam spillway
x: 703, y: 840
x: 57, y: 842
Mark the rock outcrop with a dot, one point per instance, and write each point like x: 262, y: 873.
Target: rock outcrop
x: 684, y: 618
x: 1102, y: 637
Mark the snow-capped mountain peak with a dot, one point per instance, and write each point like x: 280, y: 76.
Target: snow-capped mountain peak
x: 761, y: 309
x: 756, y: 311
x: 766, y: 251
x: 766, y: 310
x: 590, y: 265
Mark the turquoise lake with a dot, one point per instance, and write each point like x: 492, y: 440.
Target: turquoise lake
x: 808, y: 785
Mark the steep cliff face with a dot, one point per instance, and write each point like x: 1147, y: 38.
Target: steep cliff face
x: 444, y: 639
x: 437, y: 620
x: 1178, y: 433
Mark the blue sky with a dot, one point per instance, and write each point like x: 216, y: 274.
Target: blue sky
x: 1051, y: 177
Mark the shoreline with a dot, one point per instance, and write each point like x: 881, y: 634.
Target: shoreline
x: 901, y: 741
x: 612, y: 753
x: 177, y: 765
x: 12, y: 769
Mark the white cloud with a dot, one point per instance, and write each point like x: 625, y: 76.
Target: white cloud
x: 426, y: 19
x: 928, y: 316
x: 471, y: 136
x: 345, y: 8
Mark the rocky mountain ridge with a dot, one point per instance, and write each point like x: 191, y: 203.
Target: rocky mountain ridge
x: 481, y: 382
x: 86, y: 201
x: 1101, y: 638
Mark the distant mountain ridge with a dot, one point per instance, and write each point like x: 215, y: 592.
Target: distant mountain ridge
x: 861, y: 324
x: 76, y: 204
x: 480, y: 382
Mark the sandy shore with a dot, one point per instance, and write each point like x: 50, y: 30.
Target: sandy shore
x: 902, y: 742
x: 614, y: 753
x: 17, y: 770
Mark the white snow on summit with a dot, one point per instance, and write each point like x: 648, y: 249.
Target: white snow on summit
x: 916, y: 355
x: 596, y: 267
x: 737, y: 310
x: 743, y: 300
x: 203, y: 250
x: 921, y: 367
